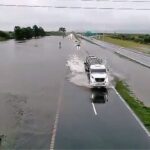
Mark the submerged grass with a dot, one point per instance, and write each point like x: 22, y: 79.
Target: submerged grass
x: 137, y: 106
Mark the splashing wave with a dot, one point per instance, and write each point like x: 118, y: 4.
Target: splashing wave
x: 77, y: 74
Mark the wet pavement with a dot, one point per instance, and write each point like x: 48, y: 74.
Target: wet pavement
x: 43, y: 86
x: 112, y: 128
x: 136, y: 75
x: 130, y: 53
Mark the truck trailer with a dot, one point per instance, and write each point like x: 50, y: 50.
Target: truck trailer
x: 97, y: 72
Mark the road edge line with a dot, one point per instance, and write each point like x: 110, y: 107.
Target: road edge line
x: 54, y: 130
x: 132, y: 112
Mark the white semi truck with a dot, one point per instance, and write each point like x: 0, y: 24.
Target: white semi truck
x: 97, y: 72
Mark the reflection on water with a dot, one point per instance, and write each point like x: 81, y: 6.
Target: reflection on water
x: 22, y: 41
x: 99, y: 95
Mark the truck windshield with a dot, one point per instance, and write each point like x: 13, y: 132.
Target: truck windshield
x: 98, y: 70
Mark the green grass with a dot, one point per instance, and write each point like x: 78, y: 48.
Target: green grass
x: 137, y: 106
x: 2, y: 39
x: 128, y: 44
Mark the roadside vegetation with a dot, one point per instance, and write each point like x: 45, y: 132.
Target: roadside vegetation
x: 137, y: 106
x: 139, y: 38
x: 135, y: 41
x: 5, y: 35
x: 22, y: 33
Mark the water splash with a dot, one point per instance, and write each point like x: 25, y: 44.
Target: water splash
x: 75, y: 64
x: 77, y: 74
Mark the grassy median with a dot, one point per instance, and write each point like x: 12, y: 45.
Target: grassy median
x: 145, y: 48
x: 137, y: 106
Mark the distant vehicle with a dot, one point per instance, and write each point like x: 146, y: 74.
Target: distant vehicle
x: 78, y: 45
x: 97, y: 72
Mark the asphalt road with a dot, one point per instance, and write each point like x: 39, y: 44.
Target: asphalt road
x: 113, y: 127
x: 136, y: 75
x: 45, y: 101
x: 130, y: 53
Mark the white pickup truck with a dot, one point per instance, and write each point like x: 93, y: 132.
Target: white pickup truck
x: 97, y: 72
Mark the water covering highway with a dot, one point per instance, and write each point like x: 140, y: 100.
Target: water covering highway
x: 46, y: 103
x: 136, y: 75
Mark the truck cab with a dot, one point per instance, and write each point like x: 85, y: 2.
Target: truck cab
x: 97, y: 72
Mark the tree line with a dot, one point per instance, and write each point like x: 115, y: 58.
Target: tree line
x: 141, y: 38
x: 5, y: 35
x: 22, y: 33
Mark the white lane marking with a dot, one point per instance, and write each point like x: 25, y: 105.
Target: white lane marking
x: 94, y: 109
x: 52, y: 144
x: 134, y: 115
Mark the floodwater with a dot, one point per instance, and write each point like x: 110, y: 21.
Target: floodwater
x: 31, y: 79
x: 31, y: 73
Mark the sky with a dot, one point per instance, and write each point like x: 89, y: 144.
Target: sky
x: 78, y: 15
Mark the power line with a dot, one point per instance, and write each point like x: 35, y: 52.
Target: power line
x: 70, y: 7
x: 107, y: 0
x: 133, y: 1
x: 121, y: 1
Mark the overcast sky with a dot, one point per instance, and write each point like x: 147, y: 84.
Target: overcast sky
x: 80, y: 19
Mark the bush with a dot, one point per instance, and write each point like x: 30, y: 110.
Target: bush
x: 136, y: 38
x: 28, y: 32
x: 4, y: 35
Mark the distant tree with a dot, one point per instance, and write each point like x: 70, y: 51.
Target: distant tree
x: 5, y: 35
x: 146, y: 39
x: 41, y: 31
x: 133, y: 37
x: 11, y: 34
x: 35, y: 31
x: 62, y: 29
x: 18, y: 33
x: 28, y: 32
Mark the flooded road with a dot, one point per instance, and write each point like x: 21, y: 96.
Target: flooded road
x: 45, y: 99
x: 31, y: 73
x: 136, y: 75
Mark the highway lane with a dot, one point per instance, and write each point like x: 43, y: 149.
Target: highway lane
x: 136, y: 75
x: 113, y: 127
x: 90, y: 119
